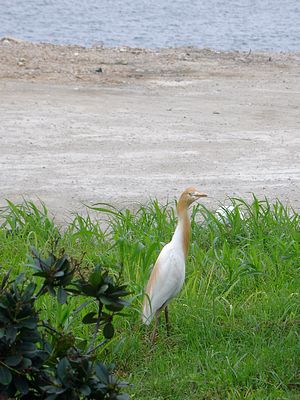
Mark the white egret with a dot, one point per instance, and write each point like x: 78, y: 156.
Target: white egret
x: 168, y: 274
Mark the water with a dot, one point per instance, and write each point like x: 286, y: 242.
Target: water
x: 218, y: 24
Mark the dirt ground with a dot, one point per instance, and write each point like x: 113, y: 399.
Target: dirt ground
x: 85, y: 125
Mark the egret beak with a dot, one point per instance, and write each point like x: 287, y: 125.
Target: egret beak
x: 197, y: 194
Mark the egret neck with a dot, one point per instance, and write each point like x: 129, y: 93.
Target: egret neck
x: 182, y: 233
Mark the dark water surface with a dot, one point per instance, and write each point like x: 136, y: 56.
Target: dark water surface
x: 218, y: 24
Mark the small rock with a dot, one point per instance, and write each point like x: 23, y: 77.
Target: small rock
x: 99, y: 70
x: 10, y: 40
x: 5, y: 42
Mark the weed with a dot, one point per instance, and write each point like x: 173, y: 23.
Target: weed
x: 236, y: 323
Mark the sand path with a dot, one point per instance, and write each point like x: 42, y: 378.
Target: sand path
x: 148, y: 125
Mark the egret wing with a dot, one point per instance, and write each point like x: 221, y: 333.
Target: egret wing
x: 165, y: 282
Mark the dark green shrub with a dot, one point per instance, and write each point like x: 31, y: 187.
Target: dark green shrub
x: 39, y: 362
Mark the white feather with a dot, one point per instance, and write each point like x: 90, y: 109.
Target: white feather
x: 169, y: 279
x: 223, y: 213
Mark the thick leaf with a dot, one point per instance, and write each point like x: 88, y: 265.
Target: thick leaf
x: 123, y: 302
x: 5, y: 279
x: 29, y: 323
x: 29, y: 291
x: 59, y: 274
x: 102, y: 373
x: 12, y: 296
x: 102, y: 289
x: 108, y: 330
x: 27, y: 347
x: 21, y: 384
x: 61, y: 295
x: 40, y: 358
x: 123, y: 396
x: 51, y: 290
x: 63, y: 370
x: 75, y: 291
x: 67, y: 278
x: 115, y: 307
x: 88, y: 290
x: 26, y: 363
x: 35, y: 266
x: 5, y: 376
x: 120, y: 293
x: 57, y: 389
x: 90, y: 318
x: 11, y: 333
x: 41, y: 273
x: 85, y: 390
x: 63, y: 262
x: 49, y: 261
x: 108, y: 279
x: 122, y: 384
x: 105, y: 300
x: 34, y: 251
x: 28, y: 335
x: 13, y: 360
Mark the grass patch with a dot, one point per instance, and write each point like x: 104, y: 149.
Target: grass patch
x: 235, y: 325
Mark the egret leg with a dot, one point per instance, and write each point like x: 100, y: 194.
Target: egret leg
x: 153, y: 336
x: 167, y: 320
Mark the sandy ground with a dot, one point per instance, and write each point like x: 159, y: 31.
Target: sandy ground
x: 124, y: 125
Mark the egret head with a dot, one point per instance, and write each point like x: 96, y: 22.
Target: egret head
x: 190, y: 195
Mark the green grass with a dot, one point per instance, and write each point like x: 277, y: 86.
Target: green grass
x: 235, y: 325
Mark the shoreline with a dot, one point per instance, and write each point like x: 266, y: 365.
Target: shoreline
x: 123, y: 125
x: 103, y: 46
x: 19, y: 40
x: 44, y: 61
